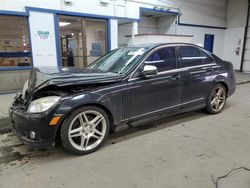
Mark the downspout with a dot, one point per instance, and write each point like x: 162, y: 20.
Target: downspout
x: 245, y: 38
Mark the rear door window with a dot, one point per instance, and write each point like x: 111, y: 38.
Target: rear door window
x: 164, y: 59
x: 190, y: 56
x: 206, y: 59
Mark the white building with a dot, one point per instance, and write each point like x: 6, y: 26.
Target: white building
x: 76, y: 32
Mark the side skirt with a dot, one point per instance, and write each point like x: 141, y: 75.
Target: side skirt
x: 144, y: 120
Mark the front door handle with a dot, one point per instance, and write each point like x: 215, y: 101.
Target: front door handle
x: 176, y: 77
x: 209, y: 69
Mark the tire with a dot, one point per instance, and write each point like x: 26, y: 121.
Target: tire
x: 85, y: 130
x: 217, y: 99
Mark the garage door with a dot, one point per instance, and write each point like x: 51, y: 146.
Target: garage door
x: 246, y: 58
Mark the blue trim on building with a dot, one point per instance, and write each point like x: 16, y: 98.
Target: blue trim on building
x: 56, y: 24
x: 13, y: 13
x: 204, y: 26
x: 15, y: 54
x: 160, y: 11
x: 77, y: 14
x: 15, y: 68
x: 141, y: 9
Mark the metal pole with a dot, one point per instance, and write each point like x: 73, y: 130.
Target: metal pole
x: 245, y: 39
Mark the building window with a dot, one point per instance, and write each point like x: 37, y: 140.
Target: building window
x: 82, y: 40
x: 14, y: 42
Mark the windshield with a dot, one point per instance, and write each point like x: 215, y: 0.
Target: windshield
x: 120, y: 60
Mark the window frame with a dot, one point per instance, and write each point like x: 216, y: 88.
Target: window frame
x: 160, y: 61
x: 133, y: 74
x: 200, y: 49
x: 209, y: 55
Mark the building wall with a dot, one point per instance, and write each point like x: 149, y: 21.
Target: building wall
x: 199, y: 35
x: 201, y: 12
x: 167, y: 24
x: 114, y: 38
x: 147, y: 25
x: 195, y: 18
x: 12, y: 80
x: 124, y: 29
x: 234, y: 34
x: 198, y: 12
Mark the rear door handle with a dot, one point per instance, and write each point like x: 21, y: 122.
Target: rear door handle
x: 176, y: 77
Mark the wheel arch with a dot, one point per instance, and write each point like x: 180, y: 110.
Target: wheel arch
x: 224, y: 84
x: 222, y: 80
x: 107, y: 110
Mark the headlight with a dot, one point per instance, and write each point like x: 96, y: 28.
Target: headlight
x: 43, y: 104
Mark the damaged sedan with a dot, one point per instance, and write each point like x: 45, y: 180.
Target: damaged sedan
x: 130, y: 85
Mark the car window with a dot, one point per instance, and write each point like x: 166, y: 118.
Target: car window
x: 190, y: 56
x: 120, y: 61
x: 164, y: 59
x: 206, y: 59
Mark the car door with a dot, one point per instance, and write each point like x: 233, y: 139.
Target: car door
x: 197, y: 74
x: 149, y: 96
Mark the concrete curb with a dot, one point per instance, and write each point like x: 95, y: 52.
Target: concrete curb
x: 245, y: 82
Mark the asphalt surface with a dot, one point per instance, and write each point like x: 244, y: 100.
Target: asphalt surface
x: 181, y: 151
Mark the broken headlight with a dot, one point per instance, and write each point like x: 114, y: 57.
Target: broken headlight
x: 43, y: 104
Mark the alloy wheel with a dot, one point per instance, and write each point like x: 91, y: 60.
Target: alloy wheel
x: 218, y: 99
x: 87, y: 130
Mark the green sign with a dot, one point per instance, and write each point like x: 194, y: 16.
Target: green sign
x: 43, y: 34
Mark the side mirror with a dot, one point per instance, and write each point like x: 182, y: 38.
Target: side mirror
x: 149, y: 70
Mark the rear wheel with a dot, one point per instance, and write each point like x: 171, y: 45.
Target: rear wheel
x: 85, y: 130
x: 217, y: 99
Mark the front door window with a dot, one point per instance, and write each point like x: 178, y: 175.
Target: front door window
x: 164, y: 59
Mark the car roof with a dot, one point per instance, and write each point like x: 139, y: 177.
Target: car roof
x: 153, y: 45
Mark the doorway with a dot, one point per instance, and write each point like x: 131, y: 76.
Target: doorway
x: 209, y: 42
x: 82, y: 40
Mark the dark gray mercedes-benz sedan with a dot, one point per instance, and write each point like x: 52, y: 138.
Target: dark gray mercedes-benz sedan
x: 130, y: 85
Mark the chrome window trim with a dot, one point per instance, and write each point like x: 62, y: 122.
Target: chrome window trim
x: 197, y: 66
x: 177, y: 70
x: 158, y: 61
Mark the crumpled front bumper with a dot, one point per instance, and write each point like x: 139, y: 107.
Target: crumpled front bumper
x: 23, y: 123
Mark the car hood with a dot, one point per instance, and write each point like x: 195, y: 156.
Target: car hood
x: 44, y: 76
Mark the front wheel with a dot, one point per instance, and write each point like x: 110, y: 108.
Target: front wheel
x: 85, y: 130
x: 216, y: 99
